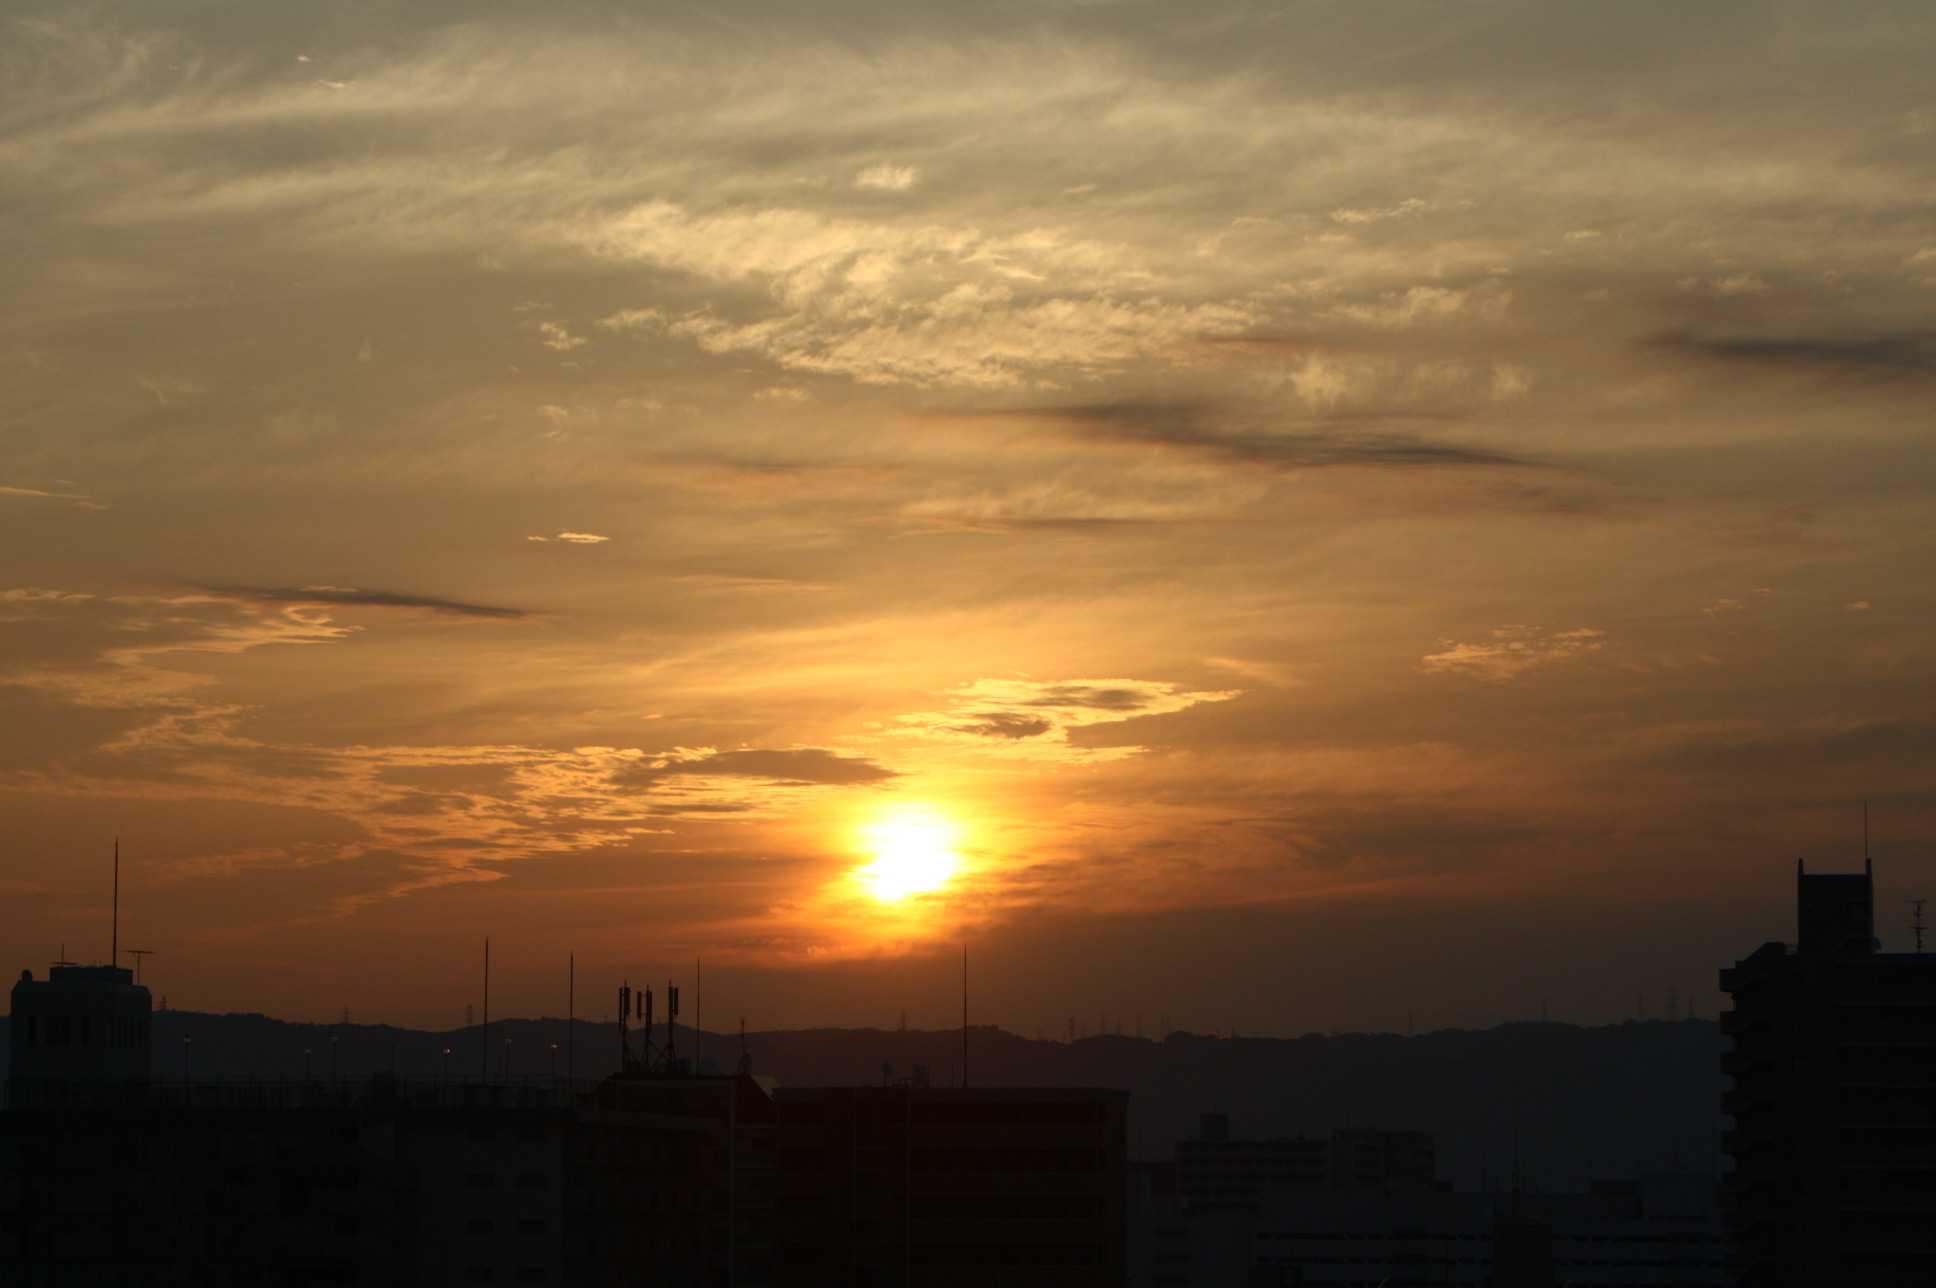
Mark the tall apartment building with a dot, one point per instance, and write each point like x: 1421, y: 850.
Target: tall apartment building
x: 1833, y: 1102
x: 945, y: 1188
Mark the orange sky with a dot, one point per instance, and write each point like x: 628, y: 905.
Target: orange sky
x: 1343, y: 517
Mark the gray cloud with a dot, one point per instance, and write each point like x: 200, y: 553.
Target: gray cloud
x: 1006, y: 724
x: 1887, y: 743
x: 1217, y: 430
x: 1903, y: 354
x: 792, y: 766
x: 352, y: 597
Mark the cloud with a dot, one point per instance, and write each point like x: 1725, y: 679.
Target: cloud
x: 632, y: 320
x: 921, y: 304
x: 1512, y: 651
x: 1900, y: 353
x: 352, y: 597
x: 554, y: 335
x: 34, y: 595
x: 1430, y: 304
x: 793, y: 767
x: 574, y: 538
x: 1741, y: 284
x: 1407, y: 208
x: 887, y: 177
x: 1035, y: 718
x: 1857, y: 606
x: 78, y: 499
x: 1889, y: 745
x: 1220, y: 430
x: 1006, y: 724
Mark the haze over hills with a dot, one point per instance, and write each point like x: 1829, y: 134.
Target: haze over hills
x: 1568, y: 1103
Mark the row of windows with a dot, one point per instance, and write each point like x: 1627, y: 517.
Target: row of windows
x: 63, y: 1031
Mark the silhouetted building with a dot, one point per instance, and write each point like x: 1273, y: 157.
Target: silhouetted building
x: 87, y: 1023
x: 1215, y: 1169
x: 635, y: 1182
x: 923, y: 1186
x: 1364, y: 1207
x: 1833, y: 1137
x: 1659, y: 1231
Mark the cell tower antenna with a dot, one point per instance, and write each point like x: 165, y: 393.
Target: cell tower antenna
x: 1917, y: 926
x: 114, y: 938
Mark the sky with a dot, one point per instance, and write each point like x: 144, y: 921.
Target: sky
x: 1259, y: 517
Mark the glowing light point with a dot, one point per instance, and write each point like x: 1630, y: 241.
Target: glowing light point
x: 913, y: 854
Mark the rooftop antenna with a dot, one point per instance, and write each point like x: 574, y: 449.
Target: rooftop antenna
x: 624, y: 1015
x: 138, y: 954
x: 1917, y: 925
x: 1866, y: 867
x: 571, y: 1012
x: 964, y: 1016
x: 698, y: 1014
x: 484, y: 1044
x: 114, y: 942
x: 672, y: 1026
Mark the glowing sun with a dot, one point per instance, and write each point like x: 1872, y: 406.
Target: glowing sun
x: 913, y: 854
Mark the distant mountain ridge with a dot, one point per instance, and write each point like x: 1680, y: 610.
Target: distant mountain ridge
x: 1553, y: 1104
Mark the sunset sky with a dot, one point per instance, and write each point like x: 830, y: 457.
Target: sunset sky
x: 1284, y: 516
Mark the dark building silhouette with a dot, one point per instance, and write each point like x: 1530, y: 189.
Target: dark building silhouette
x: 86, y: 1023
x: 909, y: 1185
x: 632, y: 1182
x: 1364, y: 1208
x: 1215, y: 1169
x: 1833, y: 1102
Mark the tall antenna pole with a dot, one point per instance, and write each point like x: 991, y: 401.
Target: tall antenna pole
x: 114, y: 942
x: 1918, y: 926
x: 485, y: 1039
x: 1865, y: 834
x: 571, y: 1012
x: 964, y: 1016
x: 698, y: 1015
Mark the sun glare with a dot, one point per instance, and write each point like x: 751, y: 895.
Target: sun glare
x: 913, y: 854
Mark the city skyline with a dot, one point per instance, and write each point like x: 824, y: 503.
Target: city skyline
x: 1425, y: 507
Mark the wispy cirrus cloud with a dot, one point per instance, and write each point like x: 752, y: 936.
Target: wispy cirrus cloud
x: 573, y: 538
x: 78, y: 499
x: 1512, y: 651
x: 1034, y: 719
x: 354, y: 597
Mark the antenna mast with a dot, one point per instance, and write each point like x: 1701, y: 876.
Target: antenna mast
x: 1917, y: 926
x: 571, y: 1012
x: 114, y: 942
x: 484, y: 1042
x: 964, y: 1016
x: 138, y: 954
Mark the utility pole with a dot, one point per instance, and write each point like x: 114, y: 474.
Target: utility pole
x: 1917, y: 926
x: 964, y: 1016
x: 484, y: 1038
